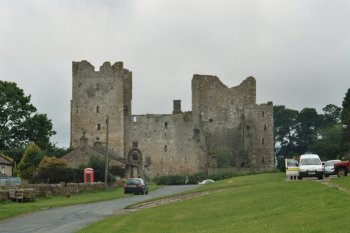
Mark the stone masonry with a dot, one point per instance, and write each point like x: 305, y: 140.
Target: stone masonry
x: 223, y: 121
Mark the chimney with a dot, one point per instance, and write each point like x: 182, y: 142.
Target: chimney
x: 177, y: 107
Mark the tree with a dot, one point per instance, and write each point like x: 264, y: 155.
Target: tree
x: 306, y: 127
x: 285, y: 138
x: 19, y: 122
x: 30, y: 161
x: 345, y: 120
x: 345, y: 114
x: 328, y: 142
x: 331, y: 114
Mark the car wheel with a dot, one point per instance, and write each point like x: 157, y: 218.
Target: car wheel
x: 342, y: 172
x: 300, y: 177
x: 320, y: 177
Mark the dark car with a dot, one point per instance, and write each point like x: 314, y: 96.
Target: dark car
x: 135, y: 185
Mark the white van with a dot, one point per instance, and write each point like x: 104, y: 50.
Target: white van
x: 310, y: 165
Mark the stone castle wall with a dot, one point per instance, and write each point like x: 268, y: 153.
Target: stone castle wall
x: 167, y: 143
x: 96, y: 95
x: 223, y: 121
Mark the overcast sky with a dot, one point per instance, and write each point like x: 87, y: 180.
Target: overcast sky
x: 298, y: 50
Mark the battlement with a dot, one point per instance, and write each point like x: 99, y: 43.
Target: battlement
x: 84, y: 68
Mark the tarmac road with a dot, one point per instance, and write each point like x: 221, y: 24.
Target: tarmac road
x: 72, y: 218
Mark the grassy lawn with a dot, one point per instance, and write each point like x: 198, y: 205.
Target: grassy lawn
x: 342, y: 181
x: 10, y: 209
x: 259, y: 203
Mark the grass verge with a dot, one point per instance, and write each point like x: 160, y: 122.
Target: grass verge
x: 10, y: 209
x: 259, y: 203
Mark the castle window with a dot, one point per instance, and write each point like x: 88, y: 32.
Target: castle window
x: 263, y: 160
x: 262, y: 141
x: 126, y: 110
x: 134, y: 119
x: 211, y: 120
x: 97, y: 138
x: 263, y: 113
x: 185, y: 160
x: 165, y: 148
x: 161, y: 161
x: 97, y: 86
x: 97, y: 109
x: 248, y: 127
x: 98, y: 126
x: 164, y: 134
x: 166, y: 124
x: 135, y: 144
x: 265, y: 127
x: 134, y: 157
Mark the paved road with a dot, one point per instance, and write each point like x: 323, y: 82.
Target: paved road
x: 71, y: 218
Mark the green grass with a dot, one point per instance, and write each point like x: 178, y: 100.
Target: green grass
x: 342, y: 181
x: 259, y: 203
x: 10, y: 209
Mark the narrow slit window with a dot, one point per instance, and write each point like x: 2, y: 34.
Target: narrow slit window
x: 97, y: 109
x: 98, y: 126
x: 166, y: 124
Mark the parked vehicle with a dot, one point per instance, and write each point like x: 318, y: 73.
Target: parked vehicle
x: 310, y: 165
x: 292, y: 168
x: 209, y: 181
x: 135, y: 185
x: 328, y: 167
x: 342, y: 168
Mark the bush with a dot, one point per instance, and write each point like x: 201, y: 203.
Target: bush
x: 30, y: 161
x: 196, y: 178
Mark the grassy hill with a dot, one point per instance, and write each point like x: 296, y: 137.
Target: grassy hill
x: 260, y: 203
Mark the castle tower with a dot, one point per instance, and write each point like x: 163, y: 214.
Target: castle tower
x: 96, y: 95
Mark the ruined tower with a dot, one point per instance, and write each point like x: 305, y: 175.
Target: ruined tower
x: 96, y: 96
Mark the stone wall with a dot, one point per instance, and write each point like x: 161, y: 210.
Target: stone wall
x: 167, y: 144
x: 44, y: 190
x: 96, y: 95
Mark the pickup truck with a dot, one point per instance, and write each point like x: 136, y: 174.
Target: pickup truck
x: 342, y: 168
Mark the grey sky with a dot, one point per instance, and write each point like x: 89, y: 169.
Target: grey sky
x: 298, y: 50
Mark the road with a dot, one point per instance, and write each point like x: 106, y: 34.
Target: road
x: 72, y: 218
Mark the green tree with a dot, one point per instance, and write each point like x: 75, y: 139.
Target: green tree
x: 284, y: 133
x: 30, y: 161
x: 306, y: 127
x: 331, y: 114
x: 328, y: 142
x: 345, y: 120
x: 19, y: 122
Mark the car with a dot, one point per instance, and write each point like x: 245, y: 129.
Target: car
x: 209, y: 181
x: 328, y: 167
x: 310, y: 165
x: 292, y: 169
x: 136, y: 186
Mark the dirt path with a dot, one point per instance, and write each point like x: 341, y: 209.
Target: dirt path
x: 329, y: 184
x: 167, y: 200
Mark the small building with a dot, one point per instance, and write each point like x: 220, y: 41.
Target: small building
x: 6, y: 166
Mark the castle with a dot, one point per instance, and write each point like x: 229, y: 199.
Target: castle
x: 225, y: 127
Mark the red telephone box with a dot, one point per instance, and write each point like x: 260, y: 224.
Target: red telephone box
x: 88, y: 175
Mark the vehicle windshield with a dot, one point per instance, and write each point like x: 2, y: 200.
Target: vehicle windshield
x: 310, y: 161
x: 133, y: 181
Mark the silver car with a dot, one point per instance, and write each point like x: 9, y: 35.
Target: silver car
x: 328, y: 167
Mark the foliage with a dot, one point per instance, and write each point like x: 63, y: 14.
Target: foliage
x: 19, y: 124
x: 328, y: 142
x: 345, y: 119
x: 345, y: 114
x: 299, y: 132
x: 30, y: 161
x: 51, y: 162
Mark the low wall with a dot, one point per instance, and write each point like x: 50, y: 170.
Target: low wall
x: 45, y: 190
